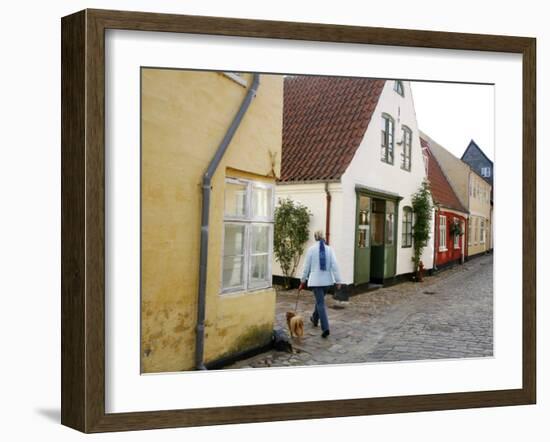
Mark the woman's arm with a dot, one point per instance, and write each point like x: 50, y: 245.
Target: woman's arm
x: 307, y: 267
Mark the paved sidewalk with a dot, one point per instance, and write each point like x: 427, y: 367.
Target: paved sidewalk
x: 449, y: 315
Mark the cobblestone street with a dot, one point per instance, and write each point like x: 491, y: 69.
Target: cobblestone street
x: 449, y: 315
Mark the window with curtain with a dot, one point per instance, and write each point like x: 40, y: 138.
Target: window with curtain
x: 247, y: 236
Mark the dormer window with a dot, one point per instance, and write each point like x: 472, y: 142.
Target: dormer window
x: 398, y: 87
x: 486, y: 172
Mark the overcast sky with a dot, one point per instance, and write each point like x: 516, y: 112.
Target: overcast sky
x: 453, y: 114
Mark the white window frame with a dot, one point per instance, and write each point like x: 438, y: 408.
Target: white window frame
x: 406, y: 151
x: 482, y: 231
x: 442, y: 237
x: 248, y: 221
x: 486, y: 172
x: 456, y: 239
x: 426, y: 160
x: 386, y: 146
x: 407, y: 237
x: 470, y: 222
x: 399, y: 87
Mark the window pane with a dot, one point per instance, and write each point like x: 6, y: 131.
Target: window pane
x: 406, y: 238
x: 260, y: 239
x: 258, y: 269
x: 377, y: 223
x: 233, y: 240
x: 390, y: 210
x: 389, y: 228
x: 235, y: 199
x: 384, y: 139
x: 261, y: 202
x: 233, y: 267
x: 387, y: 139
x: 442, y: 232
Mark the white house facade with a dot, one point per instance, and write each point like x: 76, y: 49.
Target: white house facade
x: 369, y: 218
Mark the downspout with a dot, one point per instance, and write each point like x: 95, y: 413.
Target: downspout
x: 463, y: 223
x: 327, y: 224
x: 205, y: 218
x: 436, y: 227
x: 467, y: 243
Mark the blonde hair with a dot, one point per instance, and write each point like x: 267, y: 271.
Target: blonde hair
x: 319, y: 235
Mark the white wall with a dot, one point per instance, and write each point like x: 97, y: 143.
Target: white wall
x: 368, y: 170
x: 30, y: 226
x: 313, y: 196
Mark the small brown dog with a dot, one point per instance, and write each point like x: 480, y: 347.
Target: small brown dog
x: 295, y: 324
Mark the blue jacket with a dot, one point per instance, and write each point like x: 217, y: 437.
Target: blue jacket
x: 312, y: 268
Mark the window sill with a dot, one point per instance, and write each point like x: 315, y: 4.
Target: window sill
x: 443, y: 249
x: 242, y: 292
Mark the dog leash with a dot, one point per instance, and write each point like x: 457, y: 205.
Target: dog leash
x: 297, y: 297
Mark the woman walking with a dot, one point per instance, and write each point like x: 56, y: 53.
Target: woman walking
x: 320, y: 272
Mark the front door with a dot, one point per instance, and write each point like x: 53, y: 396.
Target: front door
x: 383, y: 240
x: 362, y: 240
x: 390, y: 240
x: 377, y: 263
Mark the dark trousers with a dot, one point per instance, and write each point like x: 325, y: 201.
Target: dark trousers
x: 320, y: 312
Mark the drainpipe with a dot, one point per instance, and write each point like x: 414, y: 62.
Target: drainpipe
x: 205, y: 218
x: 463, y: 238
x: 436, y: 227
x: 327, y: 224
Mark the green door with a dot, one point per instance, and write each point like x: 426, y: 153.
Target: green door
x: 383, y: 239
x: 390, y: 242
x: 377, y: 263
x: 362, y: 240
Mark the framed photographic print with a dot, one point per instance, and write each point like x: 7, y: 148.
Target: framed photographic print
x: 267, y: 220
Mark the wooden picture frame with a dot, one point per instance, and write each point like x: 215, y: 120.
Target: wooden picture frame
x: 83, y: 220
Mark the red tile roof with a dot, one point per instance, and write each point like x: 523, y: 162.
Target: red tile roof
x: 442, y: 192
x: 324, y: 121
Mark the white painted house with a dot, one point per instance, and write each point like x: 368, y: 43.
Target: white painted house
x: 352, y: 155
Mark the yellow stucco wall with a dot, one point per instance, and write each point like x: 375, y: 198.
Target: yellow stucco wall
x: 185, y: 114
x: 456, y: 171
x: 480, y: 209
